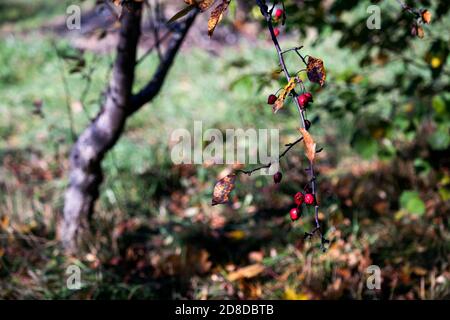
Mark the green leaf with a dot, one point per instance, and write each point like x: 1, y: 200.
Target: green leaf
x: 422, y: 166
x: 440, y: 139
x: 411, y: 202
x: 444, y: 193
x: 364, y: 144
x: 438, y: 104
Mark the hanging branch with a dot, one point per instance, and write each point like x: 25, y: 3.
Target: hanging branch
x: 268, y: 17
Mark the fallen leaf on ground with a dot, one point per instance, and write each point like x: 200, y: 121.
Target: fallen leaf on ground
x: 246, y: 272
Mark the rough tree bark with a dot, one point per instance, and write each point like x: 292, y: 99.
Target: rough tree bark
x: 100, y: 136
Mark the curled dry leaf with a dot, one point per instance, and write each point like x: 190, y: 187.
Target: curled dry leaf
x: 216, y: 16
x: 203, y: 5
x: 315, y: 70
x: 222, y: 189
x: 310, y: 145
x: 283, y: 94
x: 246, y: 272
x: 426, y: 16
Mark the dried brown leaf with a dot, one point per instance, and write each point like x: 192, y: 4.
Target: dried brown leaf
x: 283, y: 94
x: 315, y: 70
x: 205, y: 4
x: 310, y: 145
x: 246, y: 272
x: 420, y: 32
x: 426, y: 16
x: 216, y: 16
x: 222, y: 189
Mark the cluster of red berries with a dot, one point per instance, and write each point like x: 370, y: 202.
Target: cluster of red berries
x: 277, y: 16
x: 299, y: 199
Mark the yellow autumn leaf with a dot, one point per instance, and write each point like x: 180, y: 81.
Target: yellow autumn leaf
x: 236, y: 234
x: 291, y: 294
x: 283, y: 94
x: 216, y: 16
x: 310, y: 145
x: 246, y: 272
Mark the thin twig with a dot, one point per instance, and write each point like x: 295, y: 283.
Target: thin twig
x: 408, y: 8
x: 87, y: 87
x: 266, y: 166
x: 164, y: 37
x: 66, y: 93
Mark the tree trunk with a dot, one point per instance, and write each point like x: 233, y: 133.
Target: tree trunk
x: 100, y: 136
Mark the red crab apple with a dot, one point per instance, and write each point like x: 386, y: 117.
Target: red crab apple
x: 278, y: 13
x: 305, y: 99
x: 299, y: 198
x: 271, y: 99
x: 294, y: 213
x: 309, y: 198
x: 276, y: 32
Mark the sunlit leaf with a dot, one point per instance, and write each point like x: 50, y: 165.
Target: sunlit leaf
x: 316, y: 71
x: 310, y: 145
x: 283, y: 94
x: 426, y: 16
x: 222, y: 189
x: 411, y: 202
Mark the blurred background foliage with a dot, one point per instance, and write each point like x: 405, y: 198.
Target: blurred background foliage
x: 382, y: 119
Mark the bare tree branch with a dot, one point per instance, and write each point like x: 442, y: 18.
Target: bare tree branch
x: 148, y: 92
